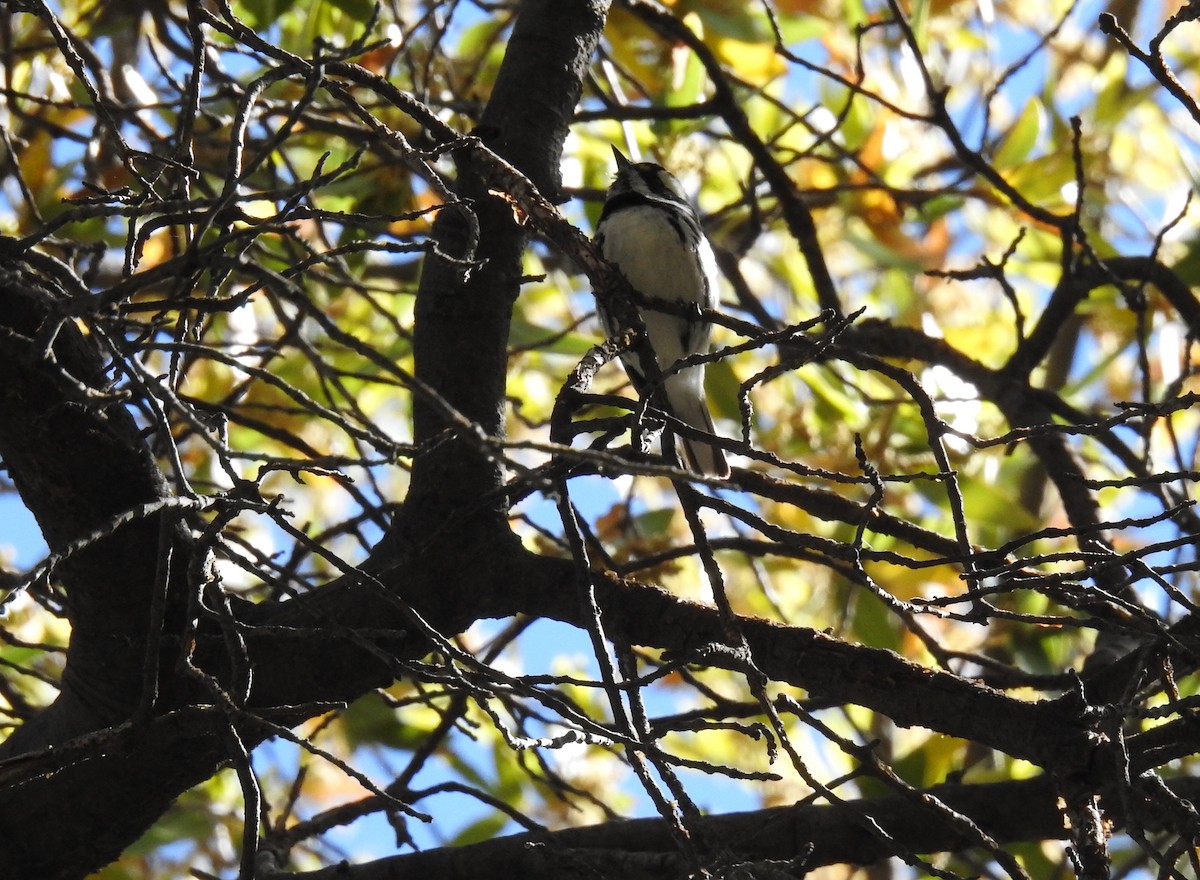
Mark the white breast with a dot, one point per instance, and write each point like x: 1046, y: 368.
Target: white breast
x: 648, y: 249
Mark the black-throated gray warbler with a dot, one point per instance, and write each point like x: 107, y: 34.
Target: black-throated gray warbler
x: 650, y: 230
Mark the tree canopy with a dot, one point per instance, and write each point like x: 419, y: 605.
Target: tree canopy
x: 336, y: 543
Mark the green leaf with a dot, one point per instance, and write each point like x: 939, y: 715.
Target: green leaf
x: 919, y: 22
x: 1022, y: 137
x: 262, y: 13
x: 798, y: 28
x: 178, y: 824
x: 481, y: 37
x: 873, y: 623
x: 370, y: 720
x: 1042, y: 179
x: 884, y: 255
x: 524, y: 334
x: 722, y: 385
x: 483, y: 829
x: 655, y: 523
x: 940, y: 206
x: 1188, y: 267
x: 691, y: 85
x: 358, y: 10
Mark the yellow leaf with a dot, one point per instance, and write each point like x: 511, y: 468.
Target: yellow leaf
x: 756, y: 62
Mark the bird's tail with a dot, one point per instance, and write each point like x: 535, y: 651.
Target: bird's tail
x: 696, y: 455
x: 703, y: 458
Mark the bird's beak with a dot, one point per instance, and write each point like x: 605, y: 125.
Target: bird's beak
x: 622, y: 162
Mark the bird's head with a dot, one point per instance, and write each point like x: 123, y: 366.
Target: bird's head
x: 647, y: 178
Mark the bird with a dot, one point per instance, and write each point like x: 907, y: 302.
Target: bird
x: 649, y: 229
